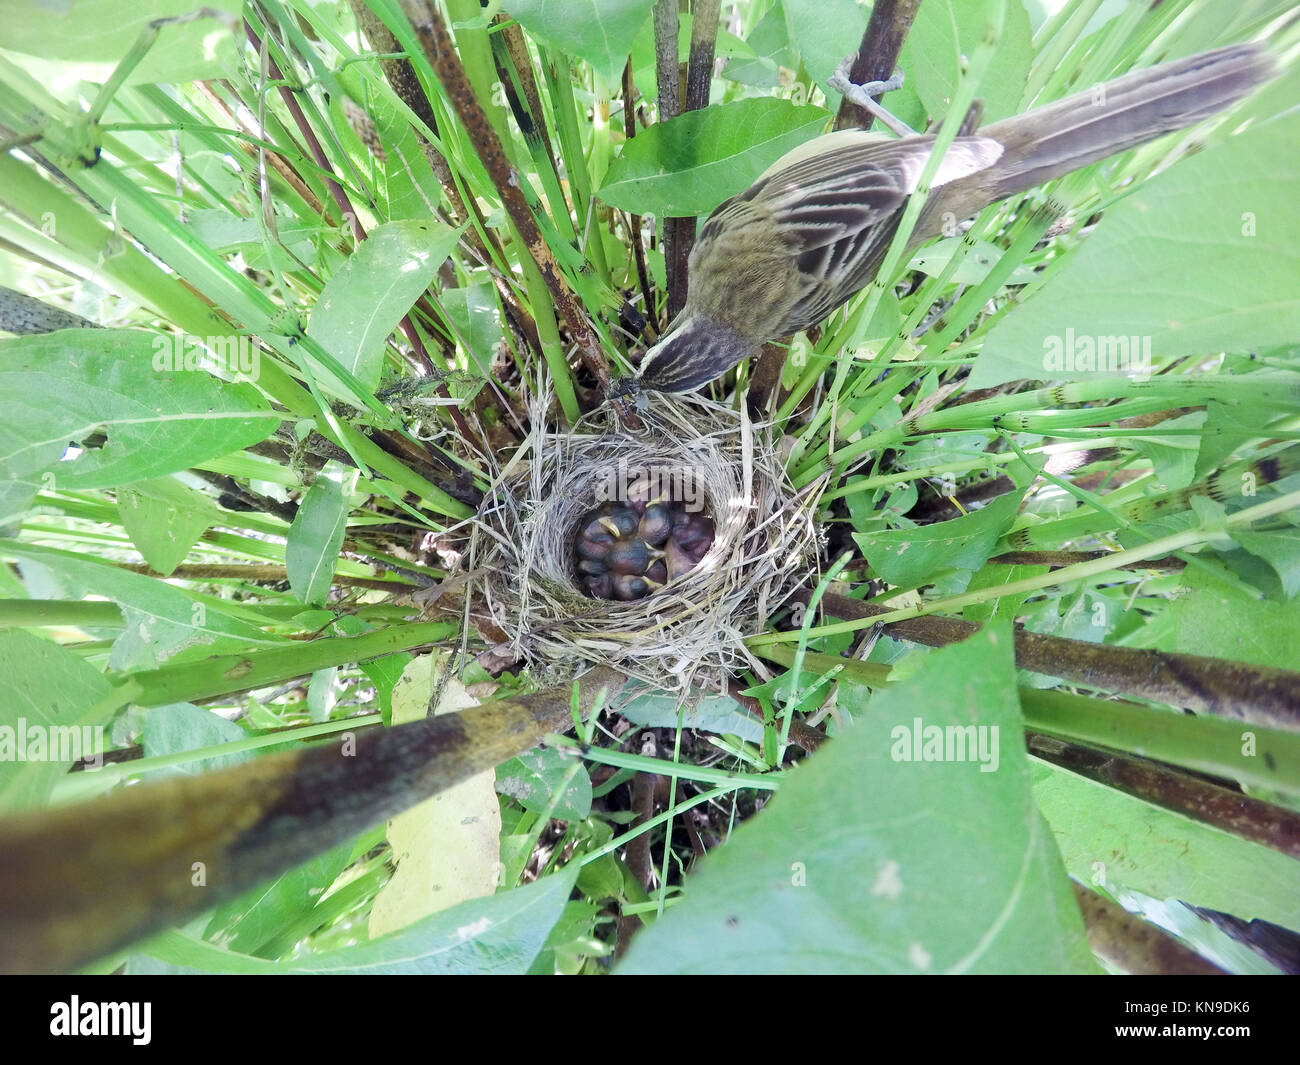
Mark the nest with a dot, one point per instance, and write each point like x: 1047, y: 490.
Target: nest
x: 691, y: 631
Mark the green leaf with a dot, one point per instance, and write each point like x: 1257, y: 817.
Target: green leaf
x: 1281, y: 550
x: 911, y: 557
x: 865, y: 862
x: 311, y: 550
x: 322, y: 693
x: 944, y: 33
x: 1200, y: 259
x: 260, y: 916
x: 824, y: 33
x: 973, y: 268
x: 497, y: 935
x: 103, y: 31
x: 66, y: 386
x: 769, y: 42
x: 1174, y: 456
x: 183, y: 727
x: 1112, y: 839
x: 599, y: 31
x: 1217, y: 619
x: 46, y: 688
x: 713, y: 713
x: 1004, y: 605
x: 385, y: 673
x: 16, y: 496
x: 533, y: 777
x: 164, y: 519
x: 363, y: 301
x: 690, y: 164
x: 473, y: 311
x: 159, y: 619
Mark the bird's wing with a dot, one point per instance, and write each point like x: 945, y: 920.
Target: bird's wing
x: 837, y: 200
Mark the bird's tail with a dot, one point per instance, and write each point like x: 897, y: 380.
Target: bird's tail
x: 1053, y: 140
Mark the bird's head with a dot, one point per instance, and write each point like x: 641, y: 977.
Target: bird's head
x: 693, y: 352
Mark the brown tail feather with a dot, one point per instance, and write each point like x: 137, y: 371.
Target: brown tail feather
x: 1053, y: 140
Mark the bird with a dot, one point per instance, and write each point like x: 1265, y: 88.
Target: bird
x: 628, y: 587
x: 632, y: 557
x: 693, y: 533
x: 628, y: 549
x: 815, y: 227
x: 600, y: 587
x: 641, y: 493
x: 691, y: 538
x: 656, y: 524
x: 601, y: 529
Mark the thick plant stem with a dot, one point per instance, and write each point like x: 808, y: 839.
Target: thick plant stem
x: 1236, y: 690
x: 877, y: 55
x: 441, y: 53
x: 77, y: 882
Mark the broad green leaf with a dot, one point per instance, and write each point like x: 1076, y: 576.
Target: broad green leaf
x: 974, y: 266
x: 48, y: 691
x: 690, y: 164
x: 599, y: 31
x: 322, y: 693
x: 183, y: 727
x: 867, y: 862
x: 824, y: 33
x: 769, y: 41
x: 944, y: 33
x: 364, y: 300
x: 160, y: 620
x: 473, y: 311
x: 384, y: 673
x: 99, y: 33
x: 498, y: 935
x: 16, y: 496
x: 164, y: 519
x: 1112, y: 839
x: 1222, y: 428
x: 1004, y: 606
x: 1200, y: 259
x: 1281, y: 550
x: 407, y: 186
x: 1217, y: 619
x: 258, y: 917
x: 911, y: 557
x: 293, y: 238
x: 158, y: 417
x: 712, y: 713
x: 534, y: 776
x: 312, y: 547
x: 1174, y: 454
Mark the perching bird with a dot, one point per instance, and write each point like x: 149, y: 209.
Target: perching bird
x: 815, y: 227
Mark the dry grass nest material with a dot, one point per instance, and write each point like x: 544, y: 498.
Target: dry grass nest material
x: 689, y: 632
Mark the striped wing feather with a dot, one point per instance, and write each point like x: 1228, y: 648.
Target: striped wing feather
x: 837, y: 208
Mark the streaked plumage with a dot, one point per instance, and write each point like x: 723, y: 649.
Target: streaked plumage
x: 814, y: 228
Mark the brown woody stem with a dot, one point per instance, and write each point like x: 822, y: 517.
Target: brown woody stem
x: 1241, y: 691
x: 80, y: 881
x: 878, y: 54
x: 441, y: 53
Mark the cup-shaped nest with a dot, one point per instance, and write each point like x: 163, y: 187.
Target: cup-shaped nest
x: 720, y: 475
